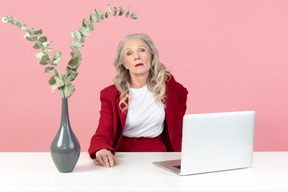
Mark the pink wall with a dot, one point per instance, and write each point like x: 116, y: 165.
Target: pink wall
x: 231, y: 55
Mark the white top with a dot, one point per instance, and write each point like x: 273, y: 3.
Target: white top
x: 145, y: 114
x: 135, y: 172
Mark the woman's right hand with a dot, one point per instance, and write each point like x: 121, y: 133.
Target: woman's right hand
x: 105, y: 158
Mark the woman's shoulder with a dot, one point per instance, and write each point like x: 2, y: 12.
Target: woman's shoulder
x: 170, y: 78
x: 173, y: 84
x: 110, y: 90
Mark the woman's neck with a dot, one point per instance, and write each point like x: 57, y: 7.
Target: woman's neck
x: 138, y: 81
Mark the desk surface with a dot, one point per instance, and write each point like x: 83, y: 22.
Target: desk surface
x: 135, y: 172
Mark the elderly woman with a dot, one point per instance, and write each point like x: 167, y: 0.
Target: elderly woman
x: 143, y: 110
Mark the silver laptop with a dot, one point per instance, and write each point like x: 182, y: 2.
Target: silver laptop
x: 214, y: 142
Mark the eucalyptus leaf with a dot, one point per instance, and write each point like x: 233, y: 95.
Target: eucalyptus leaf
x: 81, y: 29
x: 71, y: 62
x: 59, y: 81
x: 30, y: 31
x: 68, y: 70
x: 107, y: 14
x: 68, y: 80
x: 27, y: 35
x: 75, y: 53
x: 55, y: 55
x: 58, y: 74
x: 55, y: 61
x: 46, y: 44
x: 94, y: 18
x: 114, y: 11
x: 37, y: 46
x: 82, y: 40
x: 100, y: 14
x: 85, y: 23
x: 10, y: 18
x: 54, y: 87
x: 48, y: 70
x: 76, y: 44
x: 46, y: 49
x: 91, y: 27
x: 52, y: 80
x: 39, y: 55
x: 24, y: 28
x: 84, y: 31
x: 72, y: 75
x: 30, y: 37
x: 76, y: 65
x: 75, y: 62
x: 38, y: 32
x: 128, y: 13
x: 121, y: 12
x: 7, y: 18
x: 44, y: 60
x: 91, y: 18
x: 109, y: 8
x: 18, y: 23
x: 76, y: 35
x: 43, y: 39
x: 4, y: 19
x: 73, y: 48
x: 69, y: 90
x: 134, y: 16
x: 14, y: 22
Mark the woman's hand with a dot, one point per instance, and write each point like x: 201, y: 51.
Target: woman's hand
x: 105, y: 158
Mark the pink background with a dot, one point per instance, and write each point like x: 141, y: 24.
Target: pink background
x: 231, y: 56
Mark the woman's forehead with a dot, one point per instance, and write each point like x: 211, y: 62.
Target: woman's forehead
x: 134, y: 42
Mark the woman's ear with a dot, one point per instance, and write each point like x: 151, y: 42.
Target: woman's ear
x: 125, y: 65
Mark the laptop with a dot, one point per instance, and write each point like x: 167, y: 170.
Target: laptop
x: 214, y: 142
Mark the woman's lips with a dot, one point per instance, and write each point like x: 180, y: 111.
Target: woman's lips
x: 139, y: 64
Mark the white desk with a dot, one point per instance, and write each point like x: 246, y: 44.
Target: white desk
x: 135, y: 172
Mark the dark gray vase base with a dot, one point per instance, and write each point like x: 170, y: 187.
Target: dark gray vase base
x: 65, y: 163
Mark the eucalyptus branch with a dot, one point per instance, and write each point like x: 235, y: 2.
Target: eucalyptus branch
x: 58, y: 81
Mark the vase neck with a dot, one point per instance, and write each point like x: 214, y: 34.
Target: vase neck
x: 65, y: 113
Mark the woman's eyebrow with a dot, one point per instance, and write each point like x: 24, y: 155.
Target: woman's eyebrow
x: 137, y: 47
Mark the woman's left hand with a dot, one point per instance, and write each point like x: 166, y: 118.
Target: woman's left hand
x: 105, y: 158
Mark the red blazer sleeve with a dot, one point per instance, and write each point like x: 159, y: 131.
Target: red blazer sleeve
x: 103, y: 138
x: 181, y: 95
x: 174, y: 111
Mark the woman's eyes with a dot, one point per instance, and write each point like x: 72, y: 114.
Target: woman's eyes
x: 130, y: 53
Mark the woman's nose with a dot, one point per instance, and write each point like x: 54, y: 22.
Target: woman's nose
x: 136, y: 56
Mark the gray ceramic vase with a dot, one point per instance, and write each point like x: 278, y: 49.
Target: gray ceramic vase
x: 65, y: 147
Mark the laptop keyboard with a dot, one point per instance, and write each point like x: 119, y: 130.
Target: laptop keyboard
x: 177, y: 166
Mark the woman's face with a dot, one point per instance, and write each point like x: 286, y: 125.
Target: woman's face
x: 137, y: 58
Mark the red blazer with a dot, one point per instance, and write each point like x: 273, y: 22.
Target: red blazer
x: 112, y: 119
